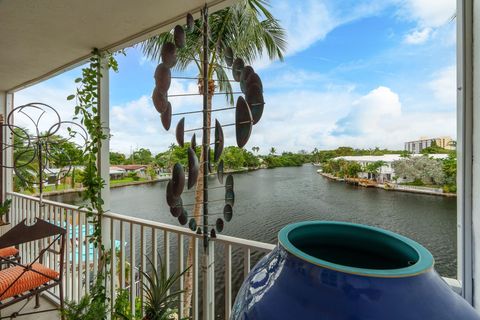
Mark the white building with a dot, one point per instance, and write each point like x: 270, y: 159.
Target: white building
x: 418, y: 145
x: 386, y: 172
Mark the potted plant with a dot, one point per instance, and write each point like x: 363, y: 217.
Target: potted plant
x: 4, y: 209
x: 161, y: 297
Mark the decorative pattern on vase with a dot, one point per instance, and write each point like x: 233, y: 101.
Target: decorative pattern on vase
x: 286, y: 284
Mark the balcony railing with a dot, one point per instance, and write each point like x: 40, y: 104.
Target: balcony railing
x: 134, y: 241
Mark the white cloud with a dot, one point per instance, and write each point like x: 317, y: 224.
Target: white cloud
x: 292, y: 120
x: 54, y: 95
x: 309, y: 119
x: 305, y: 22
x: 429, y: 16
x: 444, y: 86
x: 429, y: 13
x: 376, y: 119
x: 137, y: 124
x: 369, y: 112
x: 298, y: 119
x: 418, y: 36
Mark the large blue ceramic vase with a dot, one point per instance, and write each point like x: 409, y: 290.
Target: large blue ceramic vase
x: 345, y: 271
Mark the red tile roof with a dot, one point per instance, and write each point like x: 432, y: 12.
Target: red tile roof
x: 131, y: 166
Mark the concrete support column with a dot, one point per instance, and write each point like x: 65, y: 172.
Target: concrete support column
x: 3, y: 104
x: 6, y: 105
x: 103, y: 163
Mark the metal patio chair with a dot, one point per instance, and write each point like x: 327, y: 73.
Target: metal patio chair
x: 23, y: 281
x: 8, y: 253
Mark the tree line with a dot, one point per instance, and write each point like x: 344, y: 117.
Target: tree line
x: 234, y: 158
x: 417, y: 170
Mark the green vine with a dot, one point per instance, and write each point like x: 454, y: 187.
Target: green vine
x: 87, y: 112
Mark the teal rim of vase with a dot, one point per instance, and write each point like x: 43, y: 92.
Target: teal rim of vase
x: 423, y: 263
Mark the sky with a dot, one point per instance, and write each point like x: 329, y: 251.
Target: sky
x: 356, y: 73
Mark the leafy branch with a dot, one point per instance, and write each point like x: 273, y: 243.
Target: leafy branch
x: 87, y: 111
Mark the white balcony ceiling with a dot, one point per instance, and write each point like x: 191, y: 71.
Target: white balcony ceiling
x: 38, y: 39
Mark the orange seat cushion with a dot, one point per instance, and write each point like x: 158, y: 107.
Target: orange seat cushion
x: 28, y: 281
x: 8, y: 252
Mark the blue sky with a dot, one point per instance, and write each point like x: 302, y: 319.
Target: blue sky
x: 356, y: 73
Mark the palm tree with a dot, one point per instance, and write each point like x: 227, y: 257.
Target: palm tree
x: 273, y: 151
x: 250, y: 30
x: 374, y: 168
x: 24, y: 158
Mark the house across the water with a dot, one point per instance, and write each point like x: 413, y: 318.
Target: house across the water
x: 386, y: 171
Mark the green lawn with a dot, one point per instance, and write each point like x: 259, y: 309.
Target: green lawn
x: 126, y: 180
x: 61, y: 187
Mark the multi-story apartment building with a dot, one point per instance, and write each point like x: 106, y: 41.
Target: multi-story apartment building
x: 418, y: 145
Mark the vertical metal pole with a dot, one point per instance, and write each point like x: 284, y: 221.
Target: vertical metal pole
x: 8, y: 139
x: 207, y: 261
x: 205, y: 128
x: 466, y: 172
x: 40, y: 146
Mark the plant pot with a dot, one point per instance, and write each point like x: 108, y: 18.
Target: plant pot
x: 340, y: 271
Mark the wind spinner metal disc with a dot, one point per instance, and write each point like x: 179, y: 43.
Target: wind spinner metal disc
x: 180, y: 132
x: 227, y: 212
x: 179, y: 36
x: 178, y: 180
x: 244, y: 75
x: 229, y: 182
x: 190, y: 22
x: 237, y: 68
x: 193, y: 142
x: 160, y: 101
x: 243, y: 122
x: 220, y: 172
x: 163, y: 78
x: 248, y: 111
x: 219, y: 225
x: 230, y: 197
x: 171, y: 199
x: 219, y: 140
x: 182, y: 219
x: 169, y: 54
x: 254, y: 98
x: 193, y: 168
x: 177, y: 209
x: 166, y: 116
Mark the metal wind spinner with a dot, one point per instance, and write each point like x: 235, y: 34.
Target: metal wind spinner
x: 37, y: 150
x: 248, y: 111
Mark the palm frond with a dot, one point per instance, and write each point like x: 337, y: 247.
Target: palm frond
x: 247, y: 27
